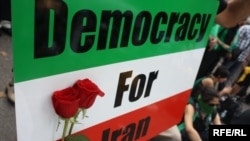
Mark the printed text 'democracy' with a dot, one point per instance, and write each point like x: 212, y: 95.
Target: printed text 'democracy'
x: 114, y: 29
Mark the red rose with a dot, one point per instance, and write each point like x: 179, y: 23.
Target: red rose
x: 65, y: 102
x: 87, y: 92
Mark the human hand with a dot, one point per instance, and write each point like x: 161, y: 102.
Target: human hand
x: 212, y: 42
x: 226, y: 90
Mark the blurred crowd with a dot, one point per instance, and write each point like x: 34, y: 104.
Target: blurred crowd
x: 223, y: 79
x: 228, y: 48
x: 220, y: 88
x: 221, y: 85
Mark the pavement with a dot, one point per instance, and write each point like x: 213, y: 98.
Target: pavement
x: 7, y: 110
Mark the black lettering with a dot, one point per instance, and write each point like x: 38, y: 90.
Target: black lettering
x: 117, y: 17
x: 116, y: 134
x: 152, y: 77
x: 138, y: 79
x: 116, y: 29
x: 159, y: 18
x: 142, y: 128
x: 204, y: 23
x: 193, y: 32
x: 121, y: 87
x: 132, y: 131
x: 43, y: 11
x: 105, y: 135
x: 128, y: 132
x: 141, y: 28
x: 84, y: 21
x: 182, y: 29
x: 173, y: 19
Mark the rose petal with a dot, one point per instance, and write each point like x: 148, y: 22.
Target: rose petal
x: 87, y: 92
x: 65, y: 102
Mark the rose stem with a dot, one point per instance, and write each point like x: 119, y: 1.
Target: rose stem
x: 66, y: 123
x: 72, y: 124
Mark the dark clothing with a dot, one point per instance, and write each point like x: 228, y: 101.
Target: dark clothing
x: 197, y: 88
x: 203, y: 135
x: 235, y: 71
x: 212, y: 57
x: 243, y: 118
x: 208, y: 62
x: 200, y: 124
x: 229, y: 108
x: 5, y: 10
x: 244, y: 87
x: 245, y: 82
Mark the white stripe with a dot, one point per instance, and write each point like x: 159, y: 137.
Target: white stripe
x: 37, y: 120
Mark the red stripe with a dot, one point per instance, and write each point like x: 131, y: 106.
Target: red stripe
x: 161, y: 115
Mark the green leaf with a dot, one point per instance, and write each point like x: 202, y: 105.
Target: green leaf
x: 77, y: 138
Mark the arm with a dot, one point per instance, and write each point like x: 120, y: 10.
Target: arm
x: 207, y: 82
x: 225, y: 46
x: 247, y: 60
x: 238, y: 10
x: 212, y: 42
x: 188, y: 120
x: 225, y: 91
x: 217, y: 120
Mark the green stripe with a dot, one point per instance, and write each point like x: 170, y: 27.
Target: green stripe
x: 27, y: 67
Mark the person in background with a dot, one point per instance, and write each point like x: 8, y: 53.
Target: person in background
x: 235, y: 12
x: 240, y: 88
x: 242, y: 119
x: 199, y: 115
x: 211, y: 55
x: 214, y: 80
x: 243, y: 58
x: 221, y: 42
x: 232, y: 39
